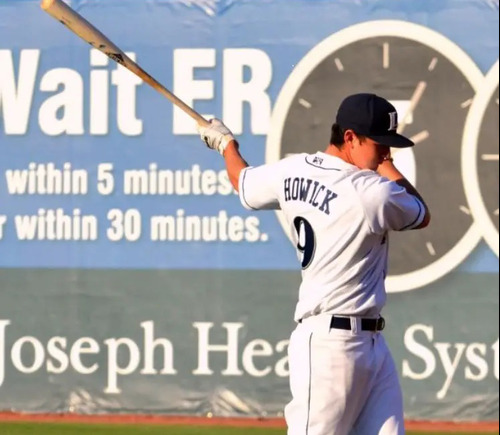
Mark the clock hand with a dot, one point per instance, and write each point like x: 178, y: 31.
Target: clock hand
x: 415, y: 99
x: 420, y: 137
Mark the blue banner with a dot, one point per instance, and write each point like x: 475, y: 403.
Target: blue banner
x: 101, y: 171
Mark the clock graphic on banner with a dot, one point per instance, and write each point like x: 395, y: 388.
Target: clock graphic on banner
x: 431, y: 82
x: 480, y: 164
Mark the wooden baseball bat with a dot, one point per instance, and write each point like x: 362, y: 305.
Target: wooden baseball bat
x: 85, y: 30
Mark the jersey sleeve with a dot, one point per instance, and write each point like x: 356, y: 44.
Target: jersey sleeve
x: 387, y: 205
x: 259, y: 187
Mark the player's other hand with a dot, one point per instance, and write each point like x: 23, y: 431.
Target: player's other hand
x: 216, y: 135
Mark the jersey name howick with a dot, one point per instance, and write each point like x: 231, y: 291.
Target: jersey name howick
x: 310, y: 191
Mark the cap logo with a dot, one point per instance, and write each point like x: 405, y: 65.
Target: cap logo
x: 393, y: 121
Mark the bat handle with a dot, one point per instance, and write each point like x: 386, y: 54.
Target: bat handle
x: 172, y: 97
x: 196, y: 116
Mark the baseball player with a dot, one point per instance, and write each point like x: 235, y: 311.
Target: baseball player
x: 340, y: 205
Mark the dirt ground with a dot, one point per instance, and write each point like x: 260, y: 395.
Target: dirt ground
x: 454, y: 427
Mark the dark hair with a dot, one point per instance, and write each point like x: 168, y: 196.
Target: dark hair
x: 337, y: 137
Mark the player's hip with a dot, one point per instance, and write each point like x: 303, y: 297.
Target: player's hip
x: 342, y: 325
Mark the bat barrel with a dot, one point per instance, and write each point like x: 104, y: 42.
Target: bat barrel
x: 85, y: 30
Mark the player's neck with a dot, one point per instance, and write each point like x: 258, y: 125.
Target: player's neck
x: 341, y: 153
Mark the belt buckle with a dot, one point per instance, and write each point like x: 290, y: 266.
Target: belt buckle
x: 380, y: 324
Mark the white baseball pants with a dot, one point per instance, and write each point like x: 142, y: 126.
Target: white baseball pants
x: 342, y: 382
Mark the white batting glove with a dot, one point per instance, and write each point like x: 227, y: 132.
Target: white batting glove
x: 216, y: 136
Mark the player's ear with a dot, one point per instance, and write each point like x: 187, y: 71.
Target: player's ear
x: 349, y: 137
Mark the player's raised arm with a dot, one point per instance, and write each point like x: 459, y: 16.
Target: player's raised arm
x: 219, y: 138
x: 388, y: 170
x: 235, y: 163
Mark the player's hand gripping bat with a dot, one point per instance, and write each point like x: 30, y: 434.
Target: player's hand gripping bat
x: 85, y: 30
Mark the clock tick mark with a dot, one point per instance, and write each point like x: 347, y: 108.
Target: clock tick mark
x: 339, y: 64
x: 433, y: 64
x: 305, y: 103
x: 431, y: 249
x: 386, y: 55
x: 465, y: 210
x: 489, y: 157
x: 466, y: 103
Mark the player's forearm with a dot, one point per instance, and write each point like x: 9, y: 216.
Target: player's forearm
x: 235, y: 163
x: 388, y: 170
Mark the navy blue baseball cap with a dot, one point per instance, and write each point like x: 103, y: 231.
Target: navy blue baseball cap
x: 374, y: 117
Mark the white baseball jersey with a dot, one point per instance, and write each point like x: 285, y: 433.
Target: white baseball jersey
x: 338, y: 217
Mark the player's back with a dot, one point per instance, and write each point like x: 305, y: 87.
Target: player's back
x: 343, y: 260
x: 338, y: 218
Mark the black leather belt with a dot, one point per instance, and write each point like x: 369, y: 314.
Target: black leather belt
x: 373, y: 325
